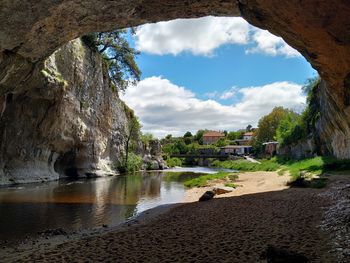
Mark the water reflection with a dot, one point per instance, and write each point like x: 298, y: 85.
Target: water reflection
x: 75, y: 205
x: 82, y: 204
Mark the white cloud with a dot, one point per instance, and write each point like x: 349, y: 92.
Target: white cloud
x: 202, y: 36
x: 164, y: 107
x: 271, y: 45
x: 198, y: 36
x: 228, y: 94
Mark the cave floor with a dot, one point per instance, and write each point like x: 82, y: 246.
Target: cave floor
x: 246, y: 228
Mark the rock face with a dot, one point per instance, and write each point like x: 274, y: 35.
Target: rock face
x: 30, y: 32
x: 299, y: 150
x: 152, y: 159
x: 65, y: 120
x: 319, y: 29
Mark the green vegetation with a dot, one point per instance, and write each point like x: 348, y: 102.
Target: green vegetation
x: 146, y: 138
x: 172, y: 162
x: 245, y: 166
x: 268, y: 126
x: 118, y: 55
x: 313, y: 166
x: 305, y: 181
x: 55, y: 75
x: 203, y: 180
x: 232, y: 185
x: 133, y: 163
x: 302, y: 172
x: 295, y: 127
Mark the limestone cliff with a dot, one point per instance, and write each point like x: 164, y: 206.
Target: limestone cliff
x: 63, y: 120
x: 318, y: 29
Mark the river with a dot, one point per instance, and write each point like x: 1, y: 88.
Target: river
x: 26, y: 210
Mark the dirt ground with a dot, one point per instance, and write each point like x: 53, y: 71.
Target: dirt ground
x: 230, y: 229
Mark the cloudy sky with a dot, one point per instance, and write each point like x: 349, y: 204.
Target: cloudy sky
x: 214, y: 73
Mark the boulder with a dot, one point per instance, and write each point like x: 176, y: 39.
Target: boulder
x: 222, y: 190
x: 207, y: 196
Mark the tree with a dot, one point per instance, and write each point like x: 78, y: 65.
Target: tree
x: 168, y: 137
x: 188, y: 134
x: 248, y: 128
x: 199, y: 136
x: 221, y: 142
x: 287, y: 131
x: 188, y: 140
x: 310, y: 84
x: 118, y: 56
x: 146, y: 138
x: 268, y: 125
x: 231, y: 136
x: 131, y: 135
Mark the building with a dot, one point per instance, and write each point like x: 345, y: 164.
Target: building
x: 246, y: 139
x: 236, y: 150
x: 270, y: 148
x: 248, y: 136
x: 211, y: 137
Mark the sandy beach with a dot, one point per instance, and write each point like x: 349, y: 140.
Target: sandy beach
x: 248, y: 183
x: 236, y: 227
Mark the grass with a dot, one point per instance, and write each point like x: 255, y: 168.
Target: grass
x: 232, y: 185
x: 302, y: 172
x: 306, y: 169
x: 203, y: 180
x: 246, y: 166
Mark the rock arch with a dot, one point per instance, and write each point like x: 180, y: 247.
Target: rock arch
x: 320, y: 30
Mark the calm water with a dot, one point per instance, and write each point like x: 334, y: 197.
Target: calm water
x: 83, y: 204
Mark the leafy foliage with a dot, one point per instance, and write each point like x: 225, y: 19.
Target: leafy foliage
x: 221, y: 142
x: 172, y: 162
x: 294, y: 127
x: 119, y: 57
x: 268, y: 126
x: 133, y: 163
x: 188, y: 134
x: 146, y: 138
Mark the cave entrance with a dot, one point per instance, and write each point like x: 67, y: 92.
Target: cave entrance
x: 65, y: 165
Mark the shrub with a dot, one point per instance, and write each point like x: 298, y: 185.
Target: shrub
x: 172, y: 162
x: 133, y: 164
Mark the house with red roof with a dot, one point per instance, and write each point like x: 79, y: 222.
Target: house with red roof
x: 211, y: 137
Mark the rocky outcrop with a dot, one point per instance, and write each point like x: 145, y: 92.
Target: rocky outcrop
x: 299, y: 150
x: 320, y: 30
x: 152, y: 156
x: 65, y: 120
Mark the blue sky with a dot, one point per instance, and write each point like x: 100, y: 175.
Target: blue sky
x: 214, y: 73
x: 229, y: 67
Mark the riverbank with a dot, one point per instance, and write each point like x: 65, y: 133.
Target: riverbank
x: 242, y: 228
x: 247, y: 183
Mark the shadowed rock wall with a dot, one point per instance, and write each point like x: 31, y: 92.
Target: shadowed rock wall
x: 66, y: 121
x: 31, y: 31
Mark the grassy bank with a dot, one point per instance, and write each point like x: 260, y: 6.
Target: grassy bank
x: 311, y: 166
x: 203, y: 180
x: 246, y: 166
x: 297, y: 169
